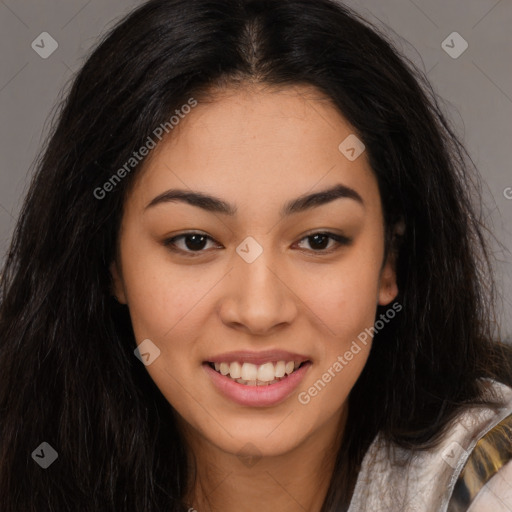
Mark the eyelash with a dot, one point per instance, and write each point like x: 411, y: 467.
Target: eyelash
x: 339, y: 239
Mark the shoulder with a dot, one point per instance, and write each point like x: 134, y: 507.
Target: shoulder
x: 485, y: 482
x: 495, y: 495
x: 425, y: 480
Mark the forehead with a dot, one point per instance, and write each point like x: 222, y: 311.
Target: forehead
x: 254, y: 145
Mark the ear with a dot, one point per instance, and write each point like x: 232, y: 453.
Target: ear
x: 118, y: 290
x: 388, y: 288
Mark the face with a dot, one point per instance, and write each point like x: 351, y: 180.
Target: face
x: 255, y: 280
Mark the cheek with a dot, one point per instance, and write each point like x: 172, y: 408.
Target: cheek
x: 345, y: 296
x: 161, y: 296
x: 166, y: 305
x: 347, y: 309
x: 347, y: 305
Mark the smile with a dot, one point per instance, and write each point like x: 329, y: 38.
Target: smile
x: 250, y: 374
x: 256, y: 379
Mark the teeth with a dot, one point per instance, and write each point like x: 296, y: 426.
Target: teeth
x: 266, y: 372
x: 280, y: 369
x: 258, y: 382
x: 235, y: 370
x: 257, y: 375
x: 249, y: 371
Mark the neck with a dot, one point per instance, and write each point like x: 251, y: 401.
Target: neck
x: 290, y: 482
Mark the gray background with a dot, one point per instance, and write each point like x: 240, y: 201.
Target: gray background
x: 476, y: 88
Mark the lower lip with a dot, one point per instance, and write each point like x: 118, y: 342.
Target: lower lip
x: 257, y: 396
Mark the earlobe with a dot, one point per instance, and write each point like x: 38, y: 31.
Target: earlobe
x: 388, y: 289
x: 117, y: 284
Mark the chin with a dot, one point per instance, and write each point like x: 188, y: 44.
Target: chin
x: 259, y: 438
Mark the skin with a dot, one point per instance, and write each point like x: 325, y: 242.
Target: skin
x: 256, y: 148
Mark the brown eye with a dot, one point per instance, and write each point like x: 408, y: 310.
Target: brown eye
x: 192, y: 242
x: 319, y: 241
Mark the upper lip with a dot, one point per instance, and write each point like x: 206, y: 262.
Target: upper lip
x: 257, y: 358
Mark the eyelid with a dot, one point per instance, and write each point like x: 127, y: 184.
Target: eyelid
x: 169, y: 243
x: 341, y: 240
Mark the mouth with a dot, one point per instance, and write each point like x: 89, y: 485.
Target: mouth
x: 250, y: 374
x: 257, y: 379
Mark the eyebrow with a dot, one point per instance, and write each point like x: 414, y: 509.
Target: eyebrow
x: 217, y: 205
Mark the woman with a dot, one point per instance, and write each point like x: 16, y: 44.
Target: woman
x: 248, y: 274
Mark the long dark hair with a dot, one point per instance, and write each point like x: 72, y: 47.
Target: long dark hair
x: 68, y: 375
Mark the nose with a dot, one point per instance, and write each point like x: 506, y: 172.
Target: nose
x: 259, y: 297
